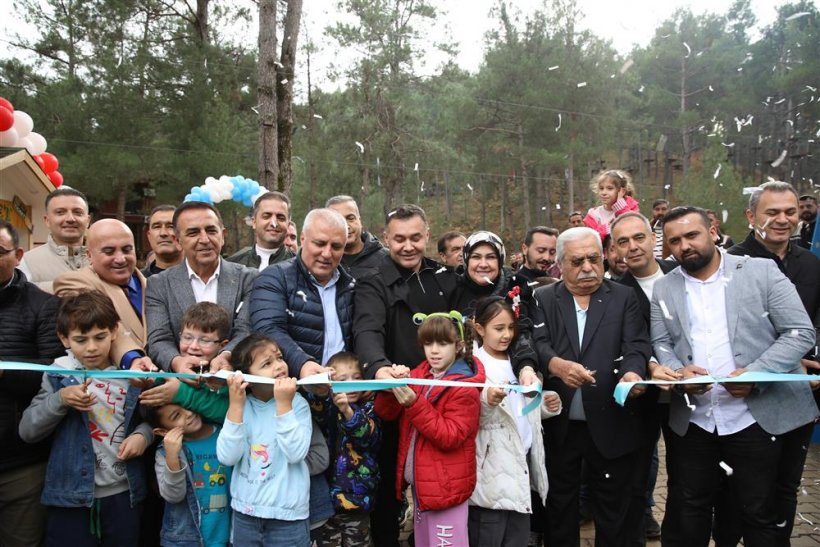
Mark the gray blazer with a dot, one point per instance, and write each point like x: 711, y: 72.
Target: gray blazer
x: 769, y: 331
x: 169, y: 294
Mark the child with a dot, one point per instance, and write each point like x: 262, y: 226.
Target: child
x: 349, y: 422
x: 510, y: 446
x: 191, y: 480
x: 205, y: 330
x: 266, y: 437
x: 95, y: 474
x: 437, y: 431
x: 614, y: 189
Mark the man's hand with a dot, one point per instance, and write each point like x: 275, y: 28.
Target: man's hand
x: 738, y: 390
x: 78, y: 397
x: 143, y: 364
x: 495, y: 395
x: 658, y: 371
x: 693, y: 371
x: 638, y: 389
x: 311, y: 368
x: 573, y: 374
x: 184, y: 364
x: 393, y: 372
x: 221, y: 362
x: 809, y: 364
x: 404, y: 395
x: 162, y: 394
x: 132, y: 447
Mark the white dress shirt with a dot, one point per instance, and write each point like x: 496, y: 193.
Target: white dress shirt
x: 712, y: 350
x: 204, y: 292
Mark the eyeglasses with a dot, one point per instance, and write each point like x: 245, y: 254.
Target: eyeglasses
x: 578, y: 261
x: 201, y: 340
x: 4, y: 251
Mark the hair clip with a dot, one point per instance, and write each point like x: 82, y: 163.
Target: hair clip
x: 514, y: 295
x: 452, y: 315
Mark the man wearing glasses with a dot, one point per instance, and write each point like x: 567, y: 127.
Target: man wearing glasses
x: 589, y: 335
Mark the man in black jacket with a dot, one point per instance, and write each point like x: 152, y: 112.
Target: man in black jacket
x: 589, y: 335
x: 269, y: 217
x: 384, y: 333
x: 363, y: 251
x: 773, y: 213
x: 27, y: 333
x: 635, y: 241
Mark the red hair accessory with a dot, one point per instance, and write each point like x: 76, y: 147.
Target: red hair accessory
x: 514, y: 295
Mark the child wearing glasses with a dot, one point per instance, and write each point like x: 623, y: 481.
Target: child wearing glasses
x: 614, y: 190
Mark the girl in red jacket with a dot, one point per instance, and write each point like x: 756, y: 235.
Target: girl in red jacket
x: 437, y: 431
x: 614, y: 189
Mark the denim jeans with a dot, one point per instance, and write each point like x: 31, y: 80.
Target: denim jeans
x: 257, y: 532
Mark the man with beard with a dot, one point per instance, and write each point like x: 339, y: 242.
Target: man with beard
x: 67, y: 220
x: 163, y: 241
x: 362, y: 250
x: 269, y: 217
x: 539, y: 250
x: 589, y: 335
x: 772, y: 212
x: 724, y: 315
x: 659, y: 208
x: 808, y: 214
x: 615, y: 264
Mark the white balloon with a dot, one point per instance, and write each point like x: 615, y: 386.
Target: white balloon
x: 8, y: 137
x: 38, y: 143
x: 23, y: 123
x: 24, y: 143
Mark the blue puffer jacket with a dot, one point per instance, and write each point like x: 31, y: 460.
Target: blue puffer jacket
x: 286, y: 306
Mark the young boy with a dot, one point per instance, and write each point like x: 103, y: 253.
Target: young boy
x: 195, y: 486
x: 205, y: 330
x: 349, y: 422
x: 95, y: 480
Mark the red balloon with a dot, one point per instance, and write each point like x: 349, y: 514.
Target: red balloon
x: 6, y: 104
x: 50, y: 161
x: 40, y: 161
x: 56, y: 178
x: 6, y: 118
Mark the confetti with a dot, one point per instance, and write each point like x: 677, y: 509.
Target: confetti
x: 765, y: 314
x: 555, y: 67
x: 689, y: 404
x: 422, y: 186
x: 725, y: 215
x: 361, y: 147
x: 711, y: 88
x: 804, y: 519
x: 606, y: 475
x: 558, y: 206
x: 543, y: 207
x: 797, y: 15
x: 640, y: 89
x: 781, y: 524
x: 582, y: 84
x: 539, y: 325
x: 559, y: 122
x: 615, y: 371
x: 717, y: 171
x: 626, y: 65
x: 749, y: 190
x: 727, y: 469
x: 774, y: 438
x: 416, y: 167
x: 318, y: 117
x: 284, y: 81
x: 688, y: 50
x: 469, y: 187
x: 290, y: 313
x: 302, y: 294
x: 665, y: 310
x: 440, y: 270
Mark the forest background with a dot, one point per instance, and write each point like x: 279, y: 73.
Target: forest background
x: 143, y: 99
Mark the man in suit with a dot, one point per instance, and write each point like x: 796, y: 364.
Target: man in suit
x: 306, y: 303
x: 634, y: 240
x: 202, y: 276
x: 589, y: 335
x: 724, y: 315
x: 113, y: 272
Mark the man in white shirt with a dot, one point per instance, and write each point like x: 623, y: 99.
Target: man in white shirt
x: 203, y: 276
x: 269, y: 218
x: 724, y: 316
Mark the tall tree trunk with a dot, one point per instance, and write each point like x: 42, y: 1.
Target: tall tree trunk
x: 684, y: 129
x: 311, y: 125
x: 284, y: 94
x: 268, y: 165
x: 122, y: 194
x: 201, y: 24
x: 524, y: 178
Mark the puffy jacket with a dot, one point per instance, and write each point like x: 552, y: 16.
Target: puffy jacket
x: 285, y: 305
x: 595, y: 221
x: 366, y: 262
x: 28, y: 333
x: 446, y: 422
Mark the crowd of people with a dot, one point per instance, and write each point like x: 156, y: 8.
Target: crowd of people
x: 614, y: 297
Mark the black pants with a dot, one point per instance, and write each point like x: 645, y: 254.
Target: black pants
x: 384, y: 520
x: 753, y: 456
x: 610, y: 483
x: 728, y: 520
x: 119, y: 524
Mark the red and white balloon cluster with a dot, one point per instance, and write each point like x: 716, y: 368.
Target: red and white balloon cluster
x: 16, y: 132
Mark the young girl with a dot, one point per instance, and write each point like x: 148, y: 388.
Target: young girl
x: 437, y: 431
x: 614, y: 189
x: 510, y: 446
x: 266, y: 437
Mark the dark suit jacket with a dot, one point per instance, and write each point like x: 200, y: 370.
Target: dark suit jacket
x: 169, y: 294
x: 643, y: 302
x: 615, y: 341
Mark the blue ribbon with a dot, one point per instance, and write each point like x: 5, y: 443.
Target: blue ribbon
x: 323, y: 379
x: 751, y: 377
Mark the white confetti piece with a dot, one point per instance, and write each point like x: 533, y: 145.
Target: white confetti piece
x: 361, y: 147
x: 774, y: 438
x: 606, y: 475
x: 539, y: 325
x: 688, y: 402
x: 688, y: 50
x: 804, y: 492
x: 488, y: 280
x: 804, y: 519
x: 469, y: 187
x: 318, y: 117
x: 797, y: 15
x: 615, y: 371
x: 555, y: 67
x: 626, y: 65
x: 726, y: 468
x: 440, y: 270
x: 781, y: 524
x: 582, y: 84
x: 717, y: 171
x: 416, y: 167
x: 665, y: 310
x: 559, y: 122
x: 725, y: 215
x: 711, y: 88
x: 558, y: 206
x: 640, y: 89
x: 290, y: 313
x: 302, y: 294
x: 422, y: 186
x: 284, y: 81
x: 794, y: 333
